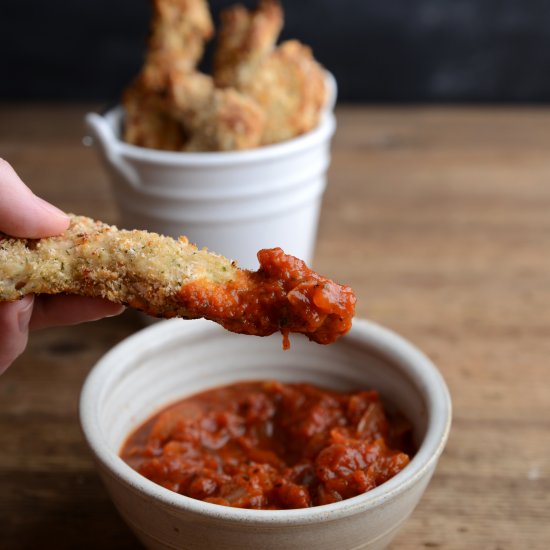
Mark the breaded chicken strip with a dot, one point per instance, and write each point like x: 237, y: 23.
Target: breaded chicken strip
x: 285, y: 81
x: 179, y: 29
x: 148, y: 123
x: 245, y: 39
x: 167, y: 278
x: 213, y: 119
x: 290, y: 87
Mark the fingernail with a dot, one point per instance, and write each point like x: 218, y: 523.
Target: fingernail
x: 117, y: 312
x: 50, y: 208
x: 24, y: 314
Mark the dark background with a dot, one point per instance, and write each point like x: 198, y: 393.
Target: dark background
x: 379, y: 50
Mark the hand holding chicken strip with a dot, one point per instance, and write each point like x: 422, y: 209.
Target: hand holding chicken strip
x: 165, y: 277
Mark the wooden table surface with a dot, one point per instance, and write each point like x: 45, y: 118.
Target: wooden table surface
x: 440, y: 220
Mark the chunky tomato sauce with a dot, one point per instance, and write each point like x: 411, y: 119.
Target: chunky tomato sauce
x: 283, y: 295
x: 268, y: 445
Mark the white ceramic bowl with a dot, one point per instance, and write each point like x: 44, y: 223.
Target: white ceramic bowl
x: 175, y: 358
x: 234, y: 202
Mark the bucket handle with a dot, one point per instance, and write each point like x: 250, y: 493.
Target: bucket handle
x: 109, y: 147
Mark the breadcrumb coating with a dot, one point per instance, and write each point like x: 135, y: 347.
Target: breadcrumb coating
x: 137, y: 268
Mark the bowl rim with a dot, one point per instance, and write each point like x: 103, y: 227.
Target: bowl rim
x: 385, y: 342
x: 324, y: 129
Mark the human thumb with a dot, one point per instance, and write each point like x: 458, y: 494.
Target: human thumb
x: 22, y: 213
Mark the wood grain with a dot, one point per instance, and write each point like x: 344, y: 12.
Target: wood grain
x: 440, y: 220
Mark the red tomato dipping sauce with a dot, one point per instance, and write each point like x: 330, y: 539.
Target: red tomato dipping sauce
x: 268, y: 445
x: 283, y: 295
